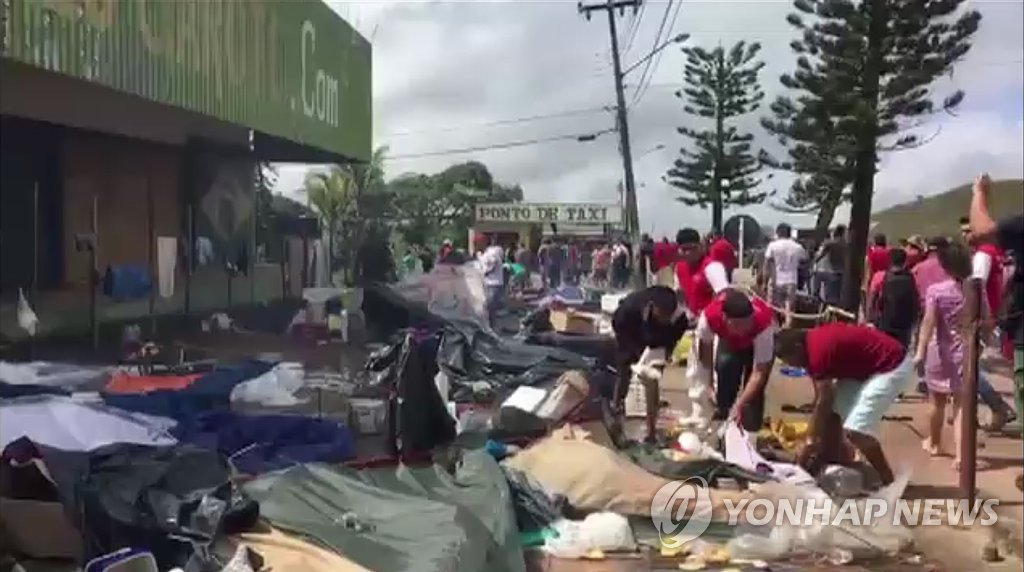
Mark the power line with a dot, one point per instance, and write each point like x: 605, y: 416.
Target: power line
x: 511, y: 121
x: 993, y: 63
x: 582, y: 137
x: 642, y: 90
x: 635, y: 28
x: 657, y: 41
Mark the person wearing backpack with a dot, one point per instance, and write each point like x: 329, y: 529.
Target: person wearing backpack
x: 893, y: 304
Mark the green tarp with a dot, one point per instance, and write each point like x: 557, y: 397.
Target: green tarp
x: 400, y: 519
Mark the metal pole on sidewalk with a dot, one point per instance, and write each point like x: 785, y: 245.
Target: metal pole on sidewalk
x: 969, y: 392
x: 35, y: 244
x: 631, y: 214
x: 154, y: 277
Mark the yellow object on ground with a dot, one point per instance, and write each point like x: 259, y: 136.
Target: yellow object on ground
x: 674, y: 551
x: 716, y: 555
x: 789, y: 434
x: 682, y: 349
x: 594, y: 554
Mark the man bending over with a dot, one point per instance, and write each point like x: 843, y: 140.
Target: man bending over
x: 858, y: 371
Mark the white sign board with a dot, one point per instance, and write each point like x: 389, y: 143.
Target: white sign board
x: 571, y: 213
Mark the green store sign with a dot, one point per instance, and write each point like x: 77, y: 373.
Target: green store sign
x: 289, y: 68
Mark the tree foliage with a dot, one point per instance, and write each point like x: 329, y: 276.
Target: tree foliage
x: 266, y: 179
x: 441, y: 206
x: 862, y: 85
x: 719, y: 168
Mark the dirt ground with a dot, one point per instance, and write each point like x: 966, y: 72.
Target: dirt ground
x: 944, y: 547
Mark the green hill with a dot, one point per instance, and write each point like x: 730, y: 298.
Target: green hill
x: 938, y: 214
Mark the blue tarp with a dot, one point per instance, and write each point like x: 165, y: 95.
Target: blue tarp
x: 258, y: 444
x: 14, y: 390
x: 210, y: 392
x: 127, y: 282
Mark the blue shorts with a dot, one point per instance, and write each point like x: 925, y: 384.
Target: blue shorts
x: 861, y: 405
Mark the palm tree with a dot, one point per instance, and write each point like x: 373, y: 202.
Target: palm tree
x: 339, y: 195
x: 330, y: 193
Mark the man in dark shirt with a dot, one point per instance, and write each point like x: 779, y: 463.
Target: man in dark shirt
x: 648, y: 318
x: 895, y: 306
x: 857, y: 371
x: 1008, y: 234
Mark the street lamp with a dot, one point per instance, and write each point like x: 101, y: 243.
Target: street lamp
x: 657, y: 147
x: 675, y: 40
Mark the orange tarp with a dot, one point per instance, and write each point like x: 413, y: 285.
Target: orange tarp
x: 123, y: 382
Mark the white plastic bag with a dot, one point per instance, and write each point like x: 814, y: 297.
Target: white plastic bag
x: 605, y: 531
x: 27, y: 318
x: 276, y: 388
x: 842, y: 482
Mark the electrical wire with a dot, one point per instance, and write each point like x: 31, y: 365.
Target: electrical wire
x: 642, y: 89
x: 657, y: 41
x: 511, y: 121
x: 635, y: 27
x: 506, y: 145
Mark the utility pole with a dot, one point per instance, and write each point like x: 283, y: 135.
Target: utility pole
x: 631, y: 209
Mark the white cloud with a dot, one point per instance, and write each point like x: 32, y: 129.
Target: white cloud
x: 447, y: 67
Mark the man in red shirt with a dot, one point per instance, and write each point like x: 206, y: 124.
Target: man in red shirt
x: 858, y: 371
x: 721, y: 250
x: 745, y: 330
x: 699, y: 275
x: 987, y: 265
x: 663, y: 259
x: 877, y: 260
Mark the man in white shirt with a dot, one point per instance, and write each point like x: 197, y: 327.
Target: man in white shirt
x: 782, y: 258
x: 492, y: 265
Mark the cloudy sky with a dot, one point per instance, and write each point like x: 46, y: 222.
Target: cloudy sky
x: 452, y: 75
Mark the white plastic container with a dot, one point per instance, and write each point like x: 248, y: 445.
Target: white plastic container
x: 610, y: 302
x: 368, y: 415
x: 636, y: 400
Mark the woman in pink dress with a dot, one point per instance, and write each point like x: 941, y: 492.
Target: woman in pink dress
x: 940, y: 351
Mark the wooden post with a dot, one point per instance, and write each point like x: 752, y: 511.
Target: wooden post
x: 190, y: 253
x: 154, y: 276
x: 969, y: 391
x: 94, y: 273
x: 35, y: 245
x: 284, y: 268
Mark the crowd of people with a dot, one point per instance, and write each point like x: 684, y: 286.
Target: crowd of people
x: 911, y: 322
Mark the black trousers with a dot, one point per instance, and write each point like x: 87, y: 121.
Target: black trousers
x: 626, y: 354
x: 732, y: 368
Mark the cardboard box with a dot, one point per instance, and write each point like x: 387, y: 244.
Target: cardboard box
x: 569, y: 321
x: 38, y: 529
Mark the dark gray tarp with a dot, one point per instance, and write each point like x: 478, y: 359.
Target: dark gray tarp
x: 472, y: 355
x: 400, y: 519
x: 177, y: 502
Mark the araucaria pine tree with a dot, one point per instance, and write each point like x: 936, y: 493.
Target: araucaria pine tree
x: 719, y: 168
x: 863, y: 84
